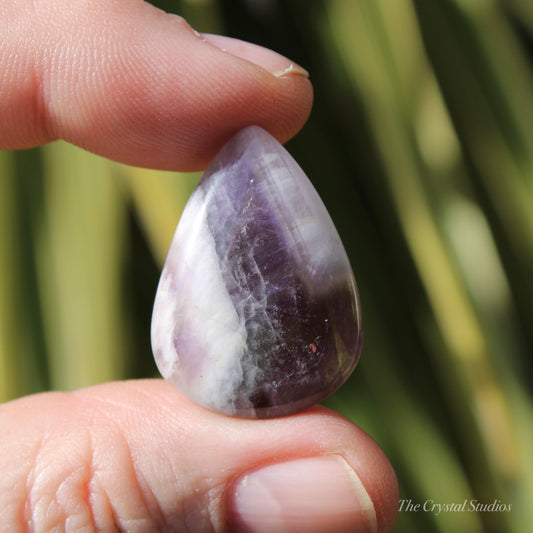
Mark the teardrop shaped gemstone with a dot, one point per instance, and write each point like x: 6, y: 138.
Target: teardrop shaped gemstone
x: 257, y: 313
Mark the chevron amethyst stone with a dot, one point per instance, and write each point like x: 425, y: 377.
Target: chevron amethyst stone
x: 256, y: 314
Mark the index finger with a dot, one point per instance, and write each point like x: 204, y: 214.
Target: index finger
x: 129, y: 82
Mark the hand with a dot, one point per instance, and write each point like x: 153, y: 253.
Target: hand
x: 131, y: 83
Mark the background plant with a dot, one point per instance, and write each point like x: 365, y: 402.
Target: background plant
x: 421, y: 145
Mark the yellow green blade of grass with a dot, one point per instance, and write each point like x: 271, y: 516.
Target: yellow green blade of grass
x: 487, y: 84
x: 10, y: 343
x: 81, y: 247
x: 22, y: 349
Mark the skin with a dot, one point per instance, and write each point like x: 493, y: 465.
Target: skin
x: 131, y: 83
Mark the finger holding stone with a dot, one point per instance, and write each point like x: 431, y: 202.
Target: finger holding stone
x: 134, y: 84
x: 139, y: 456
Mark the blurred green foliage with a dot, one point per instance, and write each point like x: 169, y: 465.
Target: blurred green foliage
x: 421, y: 145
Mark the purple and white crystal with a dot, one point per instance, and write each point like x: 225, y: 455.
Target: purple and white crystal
x: 256, y: 314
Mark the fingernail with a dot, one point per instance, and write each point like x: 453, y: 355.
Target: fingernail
x: 271, y: 61
x: 312, y: 495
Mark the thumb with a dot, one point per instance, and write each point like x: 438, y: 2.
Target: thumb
x: 137, y: 456
x: 129, y: 82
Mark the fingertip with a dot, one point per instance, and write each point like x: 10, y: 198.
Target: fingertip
x: 371, y: 466
x: 283, y: 114
x: 378, y: 477
x: 139, y: 86
x: 186, y: 97
x: 200, y: 146
x: 239, y: 84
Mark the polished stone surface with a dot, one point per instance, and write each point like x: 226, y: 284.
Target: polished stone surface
x: 256, y: 313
